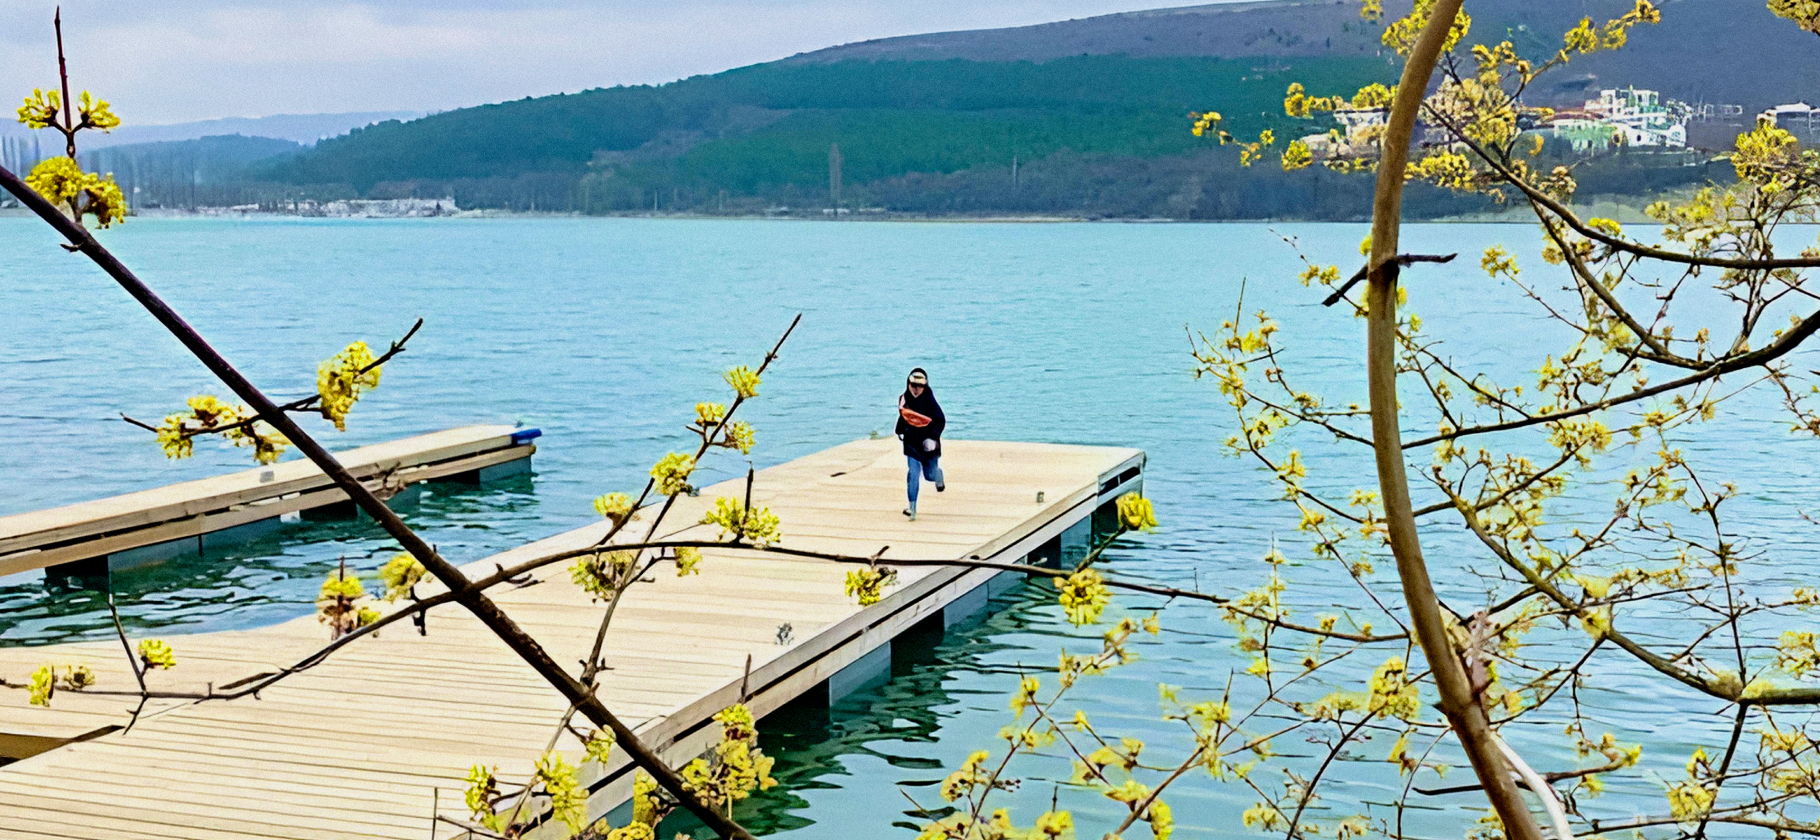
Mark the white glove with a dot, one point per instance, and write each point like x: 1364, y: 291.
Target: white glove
x: 929, y: 444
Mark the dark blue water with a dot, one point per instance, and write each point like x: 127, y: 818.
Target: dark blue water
x: 604, y: 333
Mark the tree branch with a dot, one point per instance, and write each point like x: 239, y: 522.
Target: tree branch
x: 302, y: 404
x: 1458, y: 702
x: 482, y: 607
x: 1787, y: 342
x: 1567, y: 216
x: 1403, y: 261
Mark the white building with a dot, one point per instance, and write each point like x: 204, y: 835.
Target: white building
x: 1798, y: 117
x: 1624, y: 117
x: 1357, y: 136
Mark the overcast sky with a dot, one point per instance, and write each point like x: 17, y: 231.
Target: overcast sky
x: 165, y: 61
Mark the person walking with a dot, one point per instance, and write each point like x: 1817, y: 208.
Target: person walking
x: 919, y: 425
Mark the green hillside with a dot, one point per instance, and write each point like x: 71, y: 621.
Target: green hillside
x: 772, y: 124
x: 1019, y: 120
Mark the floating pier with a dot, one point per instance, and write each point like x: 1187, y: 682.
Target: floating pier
x: 195, y: 517
x: 377, y: 740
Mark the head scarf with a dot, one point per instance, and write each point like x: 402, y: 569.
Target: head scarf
x: 919, y: 410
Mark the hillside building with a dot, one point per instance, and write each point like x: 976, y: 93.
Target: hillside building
x: 1798, y: 118
x: 1627, y: 117
x: 1356, y: 137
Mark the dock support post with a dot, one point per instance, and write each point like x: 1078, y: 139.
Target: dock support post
x: 967, y: 607
x: 865, y: 672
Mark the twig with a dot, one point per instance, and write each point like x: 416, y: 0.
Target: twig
x: 302, y: 404
x: 1540, y: 788
x: 1364, y: 271
x: 132, y: 662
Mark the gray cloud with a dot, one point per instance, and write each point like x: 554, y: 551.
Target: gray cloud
x: 162, y: 62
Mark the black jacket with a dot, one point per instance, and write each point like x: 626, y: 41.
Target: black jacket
x: 915, y: 436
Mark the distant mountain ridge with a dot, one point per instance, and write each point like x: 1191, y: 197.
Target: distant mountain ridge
x: 305, y: 129
x: 1219, y: 30
x: 1730, y: 51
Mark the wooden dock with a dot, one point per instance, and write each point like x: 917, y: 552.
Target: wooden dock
x: 188, y: 518
x: 377, y: 741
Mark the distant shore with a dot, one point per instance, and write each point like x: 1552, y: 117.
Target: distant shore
x: 1625, y: 210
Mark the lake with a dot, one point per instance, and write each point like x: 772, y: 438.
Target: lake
x: 605, y: 332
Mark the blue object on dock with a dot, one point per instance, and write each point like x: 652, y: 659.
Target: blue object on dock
x: 524, y: 436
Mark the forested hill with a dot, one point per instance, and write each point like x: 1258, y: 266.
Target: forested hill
x: 772, y: 124
x: 1085, y: 116
x: 1703, y: 50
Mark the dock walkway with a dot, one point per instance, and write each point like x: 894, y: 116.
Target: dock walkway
x: 378, y: 739
x: 155, y: 524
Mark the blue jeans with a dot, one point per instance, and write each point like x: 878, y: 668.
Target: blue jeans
x: 930, y: 469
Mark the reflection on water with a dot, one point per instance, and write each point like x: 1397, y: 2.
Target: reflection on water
x: 247, y: 584
x: 889, y: 737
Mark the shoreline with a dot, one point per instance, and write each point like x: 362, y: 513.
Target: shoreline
x: 1625, y: 210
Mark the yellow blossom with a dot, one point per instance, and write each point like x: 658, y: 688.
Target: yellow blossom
x: 634, y: 831
x: 155, y: 653
x: 735, y: 767
x: 1053, y: 824
x: 1498, y: 261
x: 399, y: 574
x: 1374, y: 95
x: 1805, y: 13
x: 41, y: 109
x: 970, y: 775
x: 744, y: 382
x: 1025, y: 696
x: 739, y: 435
x: 599, y: 746
x: 1689, y: 801
x: 1763, y: 156
x: 868, y: 584
x: 341, y: 380
x: 1136, y: 513
x: 614, y: 507
x: 1401, y: 34
x: 672, y: 472
x: 1161, y: 819
x: 1083, y: 595
x: 1205, y: 121
x: 95, y: 112
x: 1297, y: 156
x: 43, y: 686
x: 758, y: 526
x: 603, y: 573
x: 709, y: 414
x: 482, y: 793
x: 686, y: 561
x: 59, y: 179
x: 568, y: 798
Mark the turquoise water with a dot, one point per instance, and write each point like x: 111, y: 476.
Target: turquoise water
x: 603, y: 332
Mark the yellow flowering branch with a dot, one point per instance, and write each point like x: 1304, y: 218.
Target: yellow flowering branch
x: 176, y: 435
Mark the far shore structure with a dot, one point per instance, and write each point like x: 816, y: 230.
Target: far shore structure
x: 1627, y: 117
